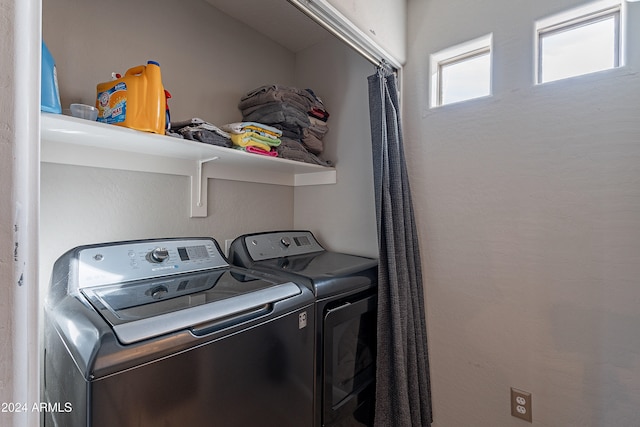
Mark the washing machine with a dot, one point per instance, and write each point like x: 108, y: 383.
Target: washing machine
x: 165, y: 332
x: 345, y: 289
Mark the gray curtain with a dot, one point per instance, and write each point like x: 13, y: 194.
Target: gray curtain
x: 403, y: 391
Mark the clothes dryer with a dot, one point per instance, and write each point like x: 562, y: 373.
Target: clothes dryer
x: 345, y: 288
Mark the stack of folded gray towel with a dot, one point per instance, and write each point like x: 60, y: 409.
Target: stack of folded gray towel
x: 197, y: 129
x: 298, y: 113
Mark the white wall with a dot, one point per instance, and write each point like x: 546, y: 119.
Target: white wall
x: 343, y: 215
x: 208, y: 60
x: 384, y: 21
x: 82, y: 205
x: 19, y: 147
x: 528, y: 205
x: 207, y: 72
x: 7, y: 147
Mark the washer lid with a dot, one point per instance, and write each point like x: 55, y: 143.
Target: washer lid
x: 198, y: 301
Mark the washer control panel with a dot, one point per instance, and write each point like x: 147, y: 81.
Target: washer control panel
x: 280, y: 244
x: 127, y: 261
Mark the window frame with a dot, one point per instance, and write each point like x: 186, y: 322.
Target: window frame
x: 457, y: 54
x: 477, y: 53
x: 570, y: 22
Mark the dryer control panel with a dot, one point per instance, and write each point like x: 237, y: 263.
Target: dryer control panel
x: 281, y: 244
x: 126, y: 261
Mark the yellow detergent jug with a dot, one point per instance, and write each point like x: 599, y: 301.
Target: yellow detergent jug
x: 137, y: 100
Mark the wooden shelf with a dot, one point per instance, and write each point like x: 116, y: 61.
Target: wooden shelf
x: 72, y: 141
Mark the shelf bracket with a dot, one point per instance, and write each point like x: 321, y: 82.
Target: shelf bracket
x: 199, y: 208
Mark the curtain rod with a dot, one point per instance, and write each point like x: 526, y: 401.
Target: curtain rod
x: 340, y: 27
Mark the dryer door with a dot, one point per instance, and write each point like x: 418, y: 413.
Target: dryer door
x: 349, y: 352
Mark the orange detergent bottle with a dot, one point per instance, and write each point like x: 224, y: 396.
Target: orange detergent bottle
x: 137, y: 100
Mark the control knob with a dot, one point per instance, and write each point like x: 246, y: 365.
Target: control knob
x: 286, y: 242
x: 158, y: 255
x: 159, y: 292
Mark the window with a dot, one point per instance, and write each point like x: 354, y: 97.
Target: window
x: 461, y: 72
x: 579, y: 43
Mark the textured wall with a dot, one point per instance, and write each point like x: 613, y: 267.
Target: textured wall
x: 19, y: 144
x: 7, y: 137
x: 208, y: 60
x: 82, y: 205
x: 384, y: 21
x: 529, y: 212
x: 207, y: 72
x: 342, y: 214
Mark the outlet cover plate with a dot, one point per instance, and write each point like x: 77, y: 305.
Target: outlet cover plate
x: 521, y: 404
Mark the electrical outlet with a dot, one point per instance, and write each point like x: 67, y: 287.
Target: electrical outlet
x: 521, y: 404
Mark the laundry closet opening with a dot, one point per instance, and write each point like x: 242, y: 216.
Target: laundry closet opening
x: 209, y: 60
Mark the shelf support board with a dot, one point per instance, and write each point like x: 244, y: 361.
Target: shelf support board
x: 199, y: 209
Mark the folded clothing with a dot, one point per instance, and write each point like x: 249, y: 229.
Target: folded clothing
x: 293, y: 150
x: 259, y: 128
x: 312, y: 142
x: 197, y: 122
x: 256, y: 150
x: 319, y: 114
x: 196, y: 133
x: 318, y: 127
x: 300, y: 99
x: 252, y: 139
x: 317, y: 110
x: 198, y: 130
x: 299, y: 114
x: 276, y: 112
